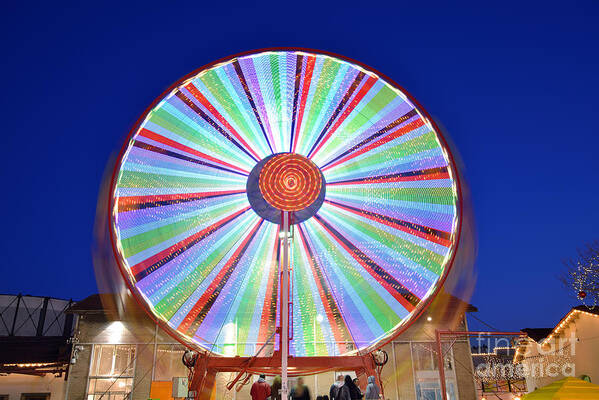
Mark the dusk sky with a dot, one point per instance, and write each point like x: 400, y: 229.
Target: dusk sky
x: 515, y: 87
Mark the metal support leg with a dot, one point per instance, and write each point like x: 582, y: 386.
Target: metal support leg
x: 441, y: 365
x: 285, y: 307
x: 208, y: 385
x: 197, y: 376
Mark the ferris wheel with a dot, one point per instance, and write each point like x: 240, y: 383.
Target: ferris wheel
x: 294, y: 147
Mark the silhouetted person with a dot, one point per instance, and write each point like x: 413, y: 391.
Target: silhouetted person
x: 357, y: 383
x: 349, y: 390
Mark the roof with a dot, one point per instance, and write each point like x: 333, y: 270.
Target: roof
x: 34, y: 316
x: 444, y: 301
x: 570, y: 316
x: 91, y: 303
x: 32, y: 295
x: 537, y: 334
x: 35, y: 334
x: 106, y: 304
x: 540, y: 334
x: 592, y: 310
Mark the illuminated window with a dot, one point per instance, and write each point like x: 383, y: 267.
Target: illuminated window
x: 111, y: 372
x: 168, y: 362
x: 426, y: 378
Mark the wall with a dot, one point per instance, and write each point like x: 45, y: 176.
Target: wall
x: 97, y: 329
x: 587, y: 346
x: 15, y: 384
x: 77, y: 380
x: 583, y: 353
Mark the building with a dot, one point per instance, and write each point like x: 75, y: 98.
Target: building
x: 496, y: 376
x: 571, y: 348
x: 35, y: 347
x: 116, y: 357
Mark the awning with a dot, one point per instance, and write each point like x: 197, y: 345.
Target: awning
x: 565, y: 389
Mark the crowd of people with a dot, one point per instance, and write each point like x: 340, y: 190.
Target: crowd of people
x: 344, y: 388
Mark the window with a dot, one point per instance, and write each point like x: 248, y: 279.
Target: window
x: 34, y: 396
x: 432, y: 391
x: 168, y: 362
x: 111, y: 372
x: 426, y: 369
x: 425, y: 356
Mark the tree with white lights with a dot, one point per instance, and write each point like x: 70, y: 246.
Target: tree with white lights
x: 581, y: 274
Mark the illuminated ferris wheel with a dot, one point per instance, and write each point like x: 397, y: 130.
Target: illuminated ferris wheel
x: 285, y: 154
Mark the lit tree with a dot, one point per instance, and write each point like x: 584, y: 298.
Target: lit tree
x: 581, y: 274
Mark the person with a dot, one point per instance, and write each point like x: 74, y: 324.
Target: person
x: 300, y: 391
x: 372, y: 390
x: 349, y: 390
x: 260, y: 389
x: 335, y: 387
x: 357, y: 383
x: 275, y: 389
x: 343, y: 393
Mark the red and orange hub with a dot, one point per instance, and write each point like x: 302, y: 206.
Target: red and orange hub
x: 290, y: 182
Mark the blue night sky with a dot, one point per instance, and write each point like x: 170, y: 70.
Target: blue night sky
x: 515, y: 86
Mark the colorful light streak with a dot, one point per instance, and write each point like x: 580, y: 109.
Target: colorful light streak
x: 206, y: 265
